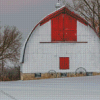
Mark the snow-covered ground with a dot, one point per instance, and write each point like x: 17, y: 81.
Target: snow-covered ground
x: 73, y: 88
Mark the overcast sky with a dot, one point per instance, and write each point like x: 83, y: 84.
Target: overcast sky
x: 25, y: 14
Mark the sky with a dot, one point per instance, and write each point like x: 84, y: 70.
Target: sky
x: 25, y: 14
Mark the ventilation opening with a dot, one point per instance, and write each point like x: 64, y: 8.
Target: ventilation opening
x: 89, y: 74
x: 63, y: 74
x: 37, y: 75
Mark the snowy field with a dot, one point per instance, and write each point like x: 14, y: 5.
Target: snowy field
x: 73, y: 88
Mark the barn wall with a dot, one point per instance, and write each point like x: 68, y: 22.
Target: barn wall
x: 91, y: 49
x: 42, y: 57
x: 33, y: 48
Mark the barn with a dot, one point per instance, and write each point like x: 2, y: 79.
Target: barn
x: 61, y: 43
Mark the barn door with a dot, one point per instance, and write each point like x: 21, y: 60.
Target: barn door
x: 57, y: 28
x: 70, y: 33
x: 64, y: 62
x: 63, y: 28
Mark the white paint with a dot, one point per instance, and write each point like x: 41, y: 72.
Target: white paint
x: 42, y: 57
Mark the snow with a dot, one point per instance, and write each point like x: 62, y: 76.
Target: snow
x: 73, y: 88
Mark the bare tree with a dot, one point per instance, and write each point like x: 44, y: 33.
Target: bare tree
x: 10, y: 43
x: 88, y: 9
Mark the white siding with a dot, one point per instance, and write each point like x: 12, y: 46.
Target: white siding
x: 42, y: 57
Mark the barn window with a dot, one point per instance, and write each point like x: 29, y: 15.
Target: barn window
x: 63, y: 74
x: 64, y: 62
x: 63, y: 28
x: 37, y: 75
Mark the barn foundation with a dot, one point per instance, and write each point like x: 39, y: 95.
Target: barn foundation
x: 31, y: 76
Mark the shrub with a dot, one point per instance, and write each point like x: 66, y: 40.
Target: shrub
x: 11, y: 73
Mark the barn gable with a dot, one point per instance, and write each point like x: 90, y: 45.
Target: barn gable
x: 62, y: 10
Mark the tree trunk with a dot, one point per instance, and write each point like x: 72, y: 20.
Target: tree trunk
x: 99, y: 26
x: 2, y: 68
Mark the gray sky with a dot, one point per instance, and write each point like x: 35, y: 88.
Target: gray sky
x: 25, y: 14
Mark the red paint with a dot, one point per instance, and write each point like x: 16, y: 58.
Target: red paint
x: 70, y: 28
x: 64, y: 62
x: 57, y: 28
x: 63, y: 28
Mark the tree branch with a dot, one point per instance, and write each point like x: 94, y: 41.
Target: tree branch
x: 90, y: 7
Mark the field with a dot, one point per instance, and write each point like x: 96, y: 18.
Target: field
x: 70, y: 88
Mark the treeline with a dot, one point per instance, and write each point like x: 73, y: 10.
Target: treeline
x: 10, y: 74
x: 10, y: 45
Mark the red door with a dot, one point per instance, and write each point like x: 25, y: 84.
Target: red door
x: 64, y: 62
x: 57, y: 28
x: 70, y: 33
x: 63, y: 28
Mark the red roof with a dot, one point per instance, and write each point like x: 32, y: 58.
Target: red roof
x: 65, y: 11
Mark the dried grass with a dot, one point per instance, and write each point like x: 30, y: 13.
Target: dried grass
x: 31, y: 76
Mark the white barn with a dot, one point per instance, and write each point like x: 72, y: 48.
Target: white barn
x: 63, y: 42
